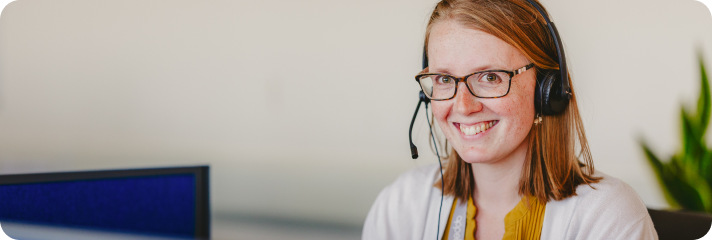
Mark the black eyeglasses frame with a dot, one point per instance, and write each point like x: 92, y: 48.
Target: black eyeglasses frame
x: 469, y: 88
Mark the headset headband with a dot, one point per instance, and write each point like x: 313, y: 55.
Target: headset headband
x: 564, y: 76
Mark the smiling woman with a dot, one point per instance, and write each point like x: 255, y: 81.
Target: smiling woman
x: 514, y: 171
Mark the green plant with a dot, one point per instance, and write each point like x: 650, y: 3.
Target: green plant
x: 686, y: 179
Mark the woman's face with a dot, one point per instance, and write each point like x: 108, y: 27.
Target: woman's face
x: 459, y: 51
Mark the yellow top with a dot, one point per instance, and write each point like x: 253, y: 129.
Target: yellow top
x: 522, y: 223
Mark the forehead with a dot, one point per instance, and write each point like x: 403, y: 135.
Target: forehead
x: 455, y: 49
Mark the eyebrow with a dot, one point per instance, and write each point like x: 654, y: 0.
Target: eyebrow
x: 481, y: 68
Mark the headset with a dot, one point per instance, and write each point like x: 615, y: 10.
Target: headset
x: 553, y: 91
x: 552, y: 94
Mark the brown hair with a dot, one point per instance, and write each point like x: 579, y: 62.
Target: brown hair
x: 552, y: 170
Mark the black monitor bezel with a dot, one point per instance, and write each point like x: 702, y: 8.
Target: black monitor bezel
x: 202, y: 185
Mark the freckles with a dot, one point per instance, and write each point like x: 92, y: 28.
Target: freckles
x: 441, y: 110
x: 520, y: 109
x: 438, y: 109
x: 522, y: 102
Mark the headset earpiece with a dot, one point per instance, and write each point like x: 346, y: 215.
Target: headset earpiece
x: 548, y: 98
x: 541, y: 76
x: 558, y: 99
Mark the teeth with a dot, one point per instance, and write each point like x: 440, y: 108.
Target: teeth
x: 478, y: 128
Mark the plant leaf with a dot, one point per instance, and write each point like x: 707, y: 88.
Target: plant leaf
x: 703, y: 189
x: 706, y: 167
x: 703, y: 114
x: 703, y: 103
x: 689, y: 174
x: 691, y: 143
x: 684, y: 193
x: 657, y: 166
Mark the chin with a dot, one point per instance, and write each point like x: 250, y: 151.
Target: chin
x: 475, y: 156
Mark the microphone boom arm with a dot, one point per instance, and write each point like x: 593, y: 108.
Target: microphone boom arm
x: 413, y: 149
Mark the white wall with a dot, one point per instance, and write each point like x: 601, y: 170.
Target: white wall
x: 302, y: 107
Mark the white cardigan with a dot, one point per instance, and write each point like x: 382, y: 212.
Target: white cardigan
x: 408, y: 209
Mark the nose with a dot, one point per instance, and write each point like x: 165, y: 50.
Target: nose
x: 465, y: 102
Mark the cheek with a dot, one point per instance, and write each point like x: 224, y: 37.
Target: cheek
x: 441, y: 110
x: 518, y: 106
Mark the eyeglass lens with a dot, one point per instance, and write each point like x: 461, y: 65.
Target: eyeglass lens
x: 484, y: 84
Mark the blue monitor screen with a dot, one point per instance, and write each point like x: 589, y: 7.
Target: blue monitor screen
x: 162, y: 205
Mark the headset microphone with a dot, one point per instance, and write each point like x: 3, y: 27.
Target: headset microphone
x: 413, y: 148
x: 423, y: 99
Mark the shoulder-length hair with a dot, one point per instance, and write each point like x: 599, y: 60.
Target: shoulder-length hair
x: 552, y: 169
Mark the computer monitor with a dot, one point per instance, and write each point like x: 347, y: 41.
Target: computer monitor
x: 172, y: 202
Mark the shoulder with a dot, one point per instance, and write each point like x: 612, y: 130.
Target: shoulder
x: 610, y: 192
x: 608, y: 209
x: 419, y: 178
x: 410, y: 187
x: 400, y: 210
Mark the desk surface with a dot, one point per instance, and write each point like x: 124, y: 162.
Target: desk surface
x: 15, y: 230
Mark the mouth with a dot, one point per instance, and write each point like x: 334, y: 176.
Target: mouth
x: 477, y: 128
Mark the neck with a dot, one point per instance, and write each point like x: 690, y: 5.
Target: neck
x: 497, y: 183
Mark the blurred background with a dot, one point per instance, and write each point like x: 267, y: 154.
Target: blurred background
x: 301, y: 108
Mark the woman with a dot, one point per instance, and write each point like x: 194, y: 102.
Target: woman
x: 517, y: 168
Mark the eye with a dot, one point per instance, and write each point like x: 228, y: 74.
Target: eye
x: 445, y: 79
x: 491, y: 77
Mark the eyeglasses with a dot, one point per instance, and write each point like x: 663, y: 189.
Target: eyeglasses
x: 483, y: 84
